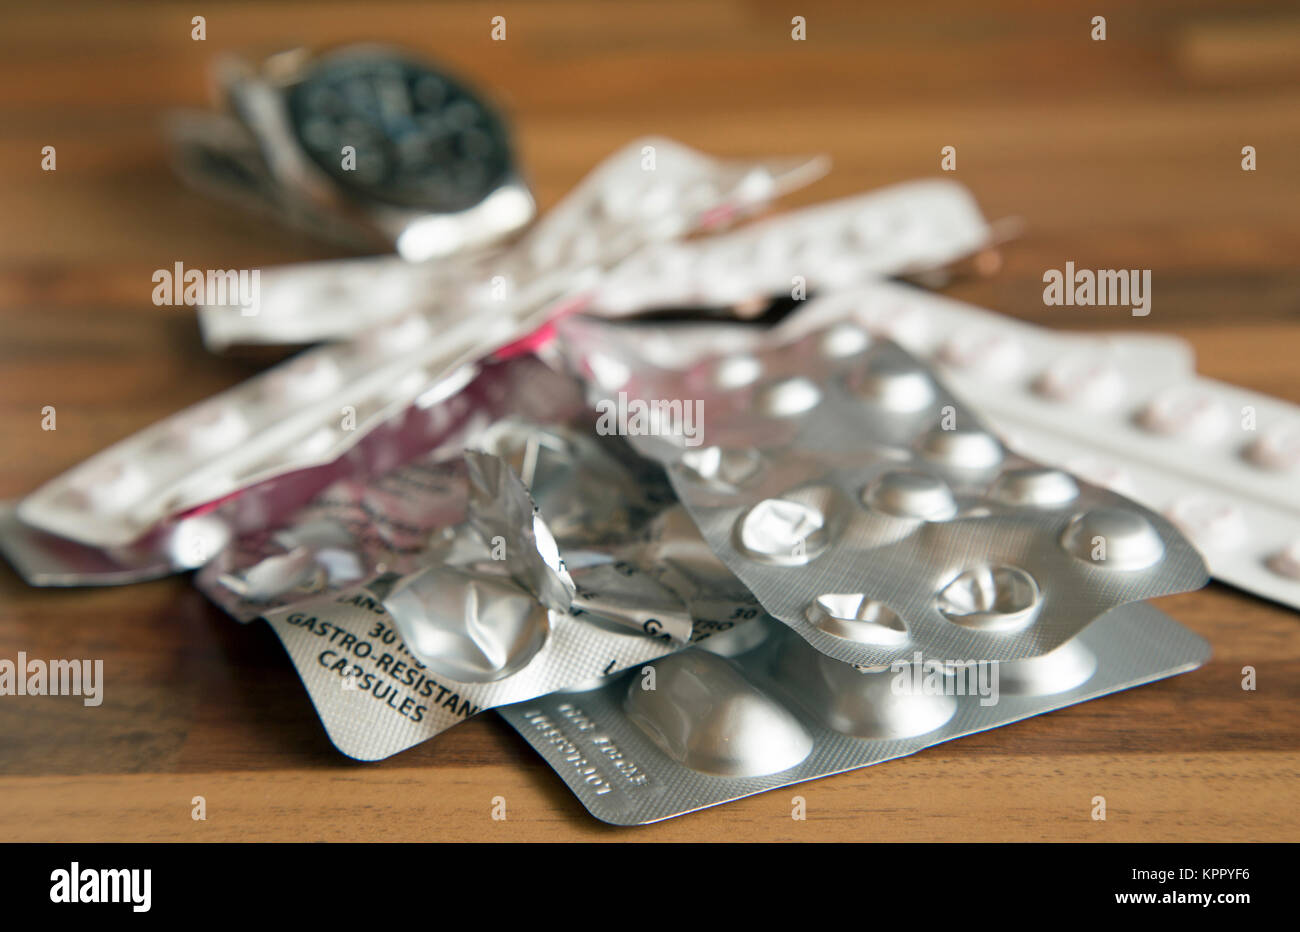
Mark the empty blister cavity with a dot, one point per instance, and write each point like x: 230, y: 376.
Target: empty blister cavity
x: 881, y: 704
x: 719, y: 466
x: 1113, y: 537
x: 703, y: 713
x: 791, y: 530
x: 473, y: 629
x: 855, y: 617
x: 910, y: 494
x: 1039, y: 486
x: 991, y: 598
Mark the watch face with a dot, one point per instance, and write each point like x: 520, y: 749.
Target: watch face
x: 420, y: 138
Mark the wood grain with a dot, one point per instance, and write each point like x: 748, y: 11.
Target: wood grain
x: 1123, y: 153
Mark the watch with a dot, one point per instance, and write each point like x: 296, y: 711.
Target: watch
x: 363, y: 143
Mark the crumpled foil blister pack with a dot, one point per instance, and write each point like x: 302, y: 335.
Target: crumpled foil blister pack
x: 689, y: 560
x: 413, y: 600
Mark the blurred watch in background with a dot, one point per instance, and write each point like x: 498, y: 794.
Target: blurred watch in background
x: 363, y: 144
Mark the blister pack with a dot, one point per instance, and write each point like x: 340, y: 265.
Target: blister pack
x: 401, y: 659
x: 439, y: 590
x: 650, y: 191
x: 866, y: 507
x: 760, y: 709
x: 314, y: 407
x: 369, y: 515
x: 920, y: 225
x: 1126, y: 412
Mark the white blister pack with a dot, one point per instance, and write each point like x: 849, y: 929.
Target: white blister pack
x: 1127, y: 412
x: 862, y: 504
x: 759, y: 709
x: 311, y: 409
x: 920, y: 225
x: 650, y: 191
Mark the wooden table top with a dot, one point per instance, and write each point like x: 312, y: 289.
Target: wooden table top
x: 1117, y: 154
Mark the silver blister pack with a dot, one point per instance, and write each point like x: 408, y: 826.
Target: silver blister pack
x: 412, y: 600
x: 696, y: 729
x: 863, y: 504
x: 491, y: 617
x: 1123, y: 410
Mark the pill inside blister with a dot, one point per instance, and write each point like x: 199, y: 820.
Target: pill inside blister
x: 895, y: 385
x: 1210, y: 523
x: 961, y: 448
x: 1113, y: 538
x: 1082, y: 379
x: 302, y: 379
x: 911, y: 494
x: 844, y: 339
x: 701, y: 711
x: 1184, y: 412
x: 990, y: 354
x: 736, y: 371
x: 1286, y: 562
x: 991, y: 598
x: 111, y: 487
x: 399, y: 336
x: 208, y: 429
x: 1277, y: 448
x: 1069, y: 666
x: 878, y: 704
x: 1035, y: 485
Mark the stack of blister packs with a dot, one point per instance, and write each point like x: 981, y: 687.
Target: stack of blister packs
x: 789, y: 528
